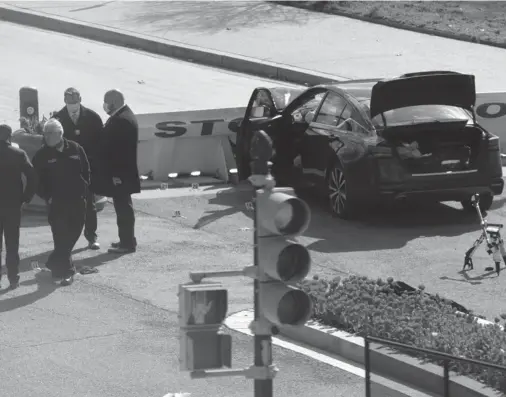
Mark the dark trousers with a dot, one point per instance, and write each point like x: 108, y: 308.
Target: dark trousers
x: 10, y: 223
x: 66, y: 219
x: 125, y: 218
x: 90, y: 226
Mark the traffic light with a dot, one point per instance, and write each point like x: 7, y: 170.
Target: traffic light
x: 202, y: 310
x: 281, y: 215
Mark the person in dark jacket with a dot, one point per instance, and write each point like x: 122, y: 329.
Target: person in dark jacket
x: 14, y: 163
x: 64, y: 176
x: 84, y: 126
x: 118, y: 167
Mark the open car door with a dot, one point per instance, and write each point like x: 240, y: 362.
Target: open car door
x: 260, y: 114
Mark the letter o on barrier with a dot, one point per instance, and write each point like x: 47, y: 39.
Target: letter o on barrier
x: 29, y: 103
x: 485, y: 110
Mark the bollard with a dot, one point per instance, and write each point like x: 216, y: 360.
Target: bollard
x: 29, y: 104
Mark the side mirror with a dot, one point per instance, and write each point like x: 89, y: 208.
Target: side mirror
x: 308, y: 118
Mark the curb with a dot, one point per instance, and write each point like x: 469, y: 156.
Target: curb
x: 398, y: 25
x: 407, y: 370
x: 380, y: 386
x: 164, y: 47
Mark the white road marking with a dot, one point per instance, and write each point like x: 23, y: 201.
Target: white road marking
x: 240, y: 322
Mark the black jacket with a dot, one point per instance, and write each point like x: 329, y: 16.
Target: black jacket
x: 62, y: 175
x: 118, y: 157
x: 86, y: 133
x: 14, y: 162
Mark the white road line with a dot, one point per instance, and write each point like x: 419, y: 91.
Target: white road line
x: 240, y: 322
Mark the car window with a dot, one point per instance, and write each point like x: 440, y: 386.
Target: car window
x: 307, y: 109
x: 421, y: 114
x: 262, y: 105
x: 331, y: 110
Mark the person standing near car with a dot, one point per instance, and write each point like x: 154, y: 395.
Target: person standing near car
x: 64, y: 176
x: 14, y: 163
x: 118, y: 167
x: 84, y: 126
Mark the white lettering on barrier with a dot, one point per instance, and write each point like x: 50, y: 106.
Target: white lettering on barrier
x: 491, y: 114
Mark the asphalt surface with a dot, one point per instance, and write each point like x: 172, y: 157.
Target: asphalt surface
x: 114, y: 333
x: 151, y: 84
x: 418, y: 244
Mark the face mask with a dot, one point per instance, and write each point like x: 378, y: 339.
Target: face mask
x: 106, y: 108
x: 73, y: 108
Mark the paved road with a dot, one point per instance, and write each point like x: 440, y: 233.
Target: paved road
x: 424, y: 245
x: 327, y: 43
x: 151, y: 84
x: 114, y: 333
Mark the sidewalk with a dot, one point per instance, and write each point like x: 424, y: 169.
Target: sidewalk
x: 334, y: 45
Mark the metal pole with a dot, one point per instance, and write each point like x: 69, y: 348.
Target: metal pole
x: 262, y: 387
x: 367, y: 364
x: 447, y: 378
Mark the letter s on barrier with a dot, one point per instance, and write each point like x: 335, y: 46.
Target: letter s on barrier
x: 170, y: 126
x: 482, y: 110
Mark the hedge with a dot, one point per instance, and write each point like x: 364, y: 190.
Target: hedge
x: 360, y: 305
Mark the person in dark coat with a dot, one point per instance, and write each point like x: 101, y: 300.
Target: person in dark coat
x: 64, y: 176
x: 119, y: 175
x: 84, y: 126
x: 14, y: 163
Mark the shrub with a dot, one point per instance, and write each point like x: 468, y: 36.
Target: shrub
x: 360, y: 305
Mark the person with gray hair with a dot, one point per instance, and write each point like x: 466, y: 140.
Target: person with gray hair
x: 118, y: 168
x: 14, y: 163
x: 64, y: 177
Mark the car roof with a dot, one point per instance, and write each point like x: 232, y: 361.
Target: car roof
x: 361, y: 90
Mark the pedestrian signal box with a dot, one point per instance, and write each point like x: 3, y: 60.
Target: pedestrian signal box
x: 202, y: 311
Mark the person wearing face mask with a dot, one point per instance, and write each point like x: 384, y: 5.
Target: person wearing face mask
x: 84, y: 126
x: 64, y: 176
x: 14, y: 163
x: 118, y: 167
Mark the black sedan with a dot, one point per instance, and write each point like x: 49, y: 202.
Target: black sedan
x: 360, y: 143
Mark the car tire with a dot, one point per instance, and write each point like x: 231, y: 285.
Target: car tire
x: 338, y: 199
x: 485, y: 203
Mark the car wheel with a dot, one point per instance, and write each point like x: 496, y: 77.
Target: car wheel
x: 339, y: 201
x: 485, y: 203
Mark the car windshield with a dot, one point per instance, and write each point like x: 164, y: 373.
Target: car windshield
x: 421, y: 114
x: 282, y: 97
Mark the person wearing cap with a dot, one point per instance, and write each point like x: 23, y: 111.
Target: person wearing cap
x: 119, y: 173
x: 84, y: 126
x: 14, y: 163
x: 64, y: 176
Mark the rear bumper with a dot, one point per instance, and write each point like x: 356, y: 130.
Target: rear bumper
x: 441, y: 194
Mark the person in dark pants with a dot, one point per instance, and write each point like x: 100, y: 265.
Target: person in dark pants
x: 64, y: 176
x: 14, y: 163
x: 84, y: 126
x: 118, y: 167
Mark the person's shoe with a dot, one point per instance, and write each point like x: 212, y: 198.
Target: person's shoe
x: 13, y: 285
x: 121, y: 250
x: 93, y: 245
x: 67, y: 281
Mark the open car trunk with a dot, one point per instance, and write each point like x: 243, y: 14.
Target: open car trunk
x: 435, y: 147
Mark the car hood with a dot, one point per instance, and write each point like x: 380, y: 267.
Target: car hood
x: 451, y: 89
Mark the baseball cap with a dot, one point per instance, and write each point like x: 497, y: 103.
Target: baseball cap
x: 5, y: 132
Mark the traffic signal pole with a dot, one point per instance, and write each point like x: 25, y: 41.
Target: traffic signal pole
x: 262, y: 343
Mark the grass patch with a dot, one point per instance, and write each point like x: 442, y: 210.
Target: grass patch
x: 477, y: 21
